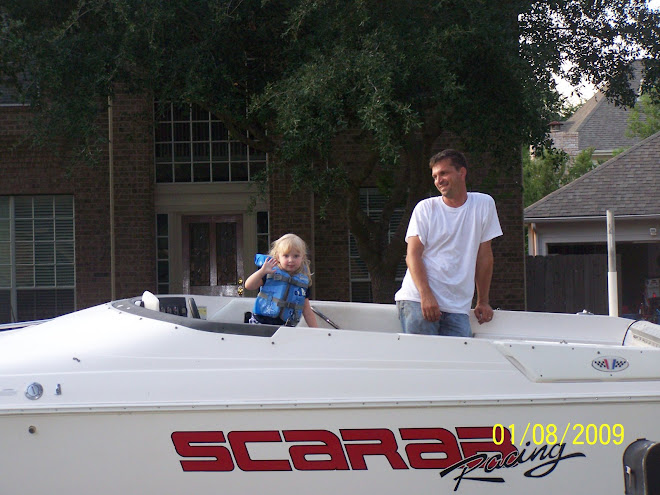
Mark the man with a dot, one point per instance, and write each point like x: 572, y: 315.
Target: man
x: 448, y: 253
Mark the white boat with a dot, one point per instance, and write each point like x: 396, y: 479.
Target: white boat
x: 123, y: 399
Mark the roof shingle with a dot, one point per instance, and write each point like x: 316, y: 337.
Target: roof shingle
x: 600, y: 124
x: 628, y: 184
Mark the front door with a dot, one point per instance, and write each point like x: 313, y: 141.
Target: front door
x: 212, y: 255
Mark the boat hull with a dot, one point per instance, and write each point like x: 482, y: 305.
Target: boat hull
x: 121, y: 399
x: 359, y: 448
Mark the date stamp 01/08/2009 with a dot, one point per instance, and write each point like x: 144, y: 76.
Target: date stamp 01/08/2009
x: 572, y: 433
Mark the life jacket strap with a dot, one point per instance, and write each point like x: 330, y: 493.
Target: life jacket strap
x: 281, y: 303
x: 288, y: 279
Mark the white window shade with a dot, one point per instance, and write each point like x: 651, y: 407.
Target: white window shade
x: 37, y: 256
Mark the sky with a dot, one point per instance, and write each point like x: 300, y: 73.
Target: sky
x: 587, y: 90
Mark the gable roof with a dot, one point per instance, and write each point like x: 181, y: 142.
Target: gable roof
x: 601, y: 124
x: 628, y: 184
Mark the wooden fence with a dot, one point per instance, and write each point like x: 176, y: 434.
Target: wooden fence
x: 568, y: 283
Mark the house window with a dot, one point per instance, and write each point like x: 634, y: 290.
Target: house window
x: 163, y: 253
x: 192, y: 145
x: 263, y: 234
x: 37, y: 255
x: 371, y: 202
x: 10, y: 96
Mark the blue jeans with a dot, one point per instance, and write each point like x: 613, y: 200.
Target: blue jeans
x: 450, y: 324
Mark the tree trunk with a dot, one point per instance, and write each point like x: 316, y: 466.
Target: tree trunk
x: 383, y: 286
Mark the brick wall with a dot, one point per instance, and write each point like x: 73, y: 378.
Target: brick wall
x: 567, y: 141
x: 503, y: 181
x: 135, y: 222
x: 32, y: 171
x: 327, y: 236
x: 331, y: 264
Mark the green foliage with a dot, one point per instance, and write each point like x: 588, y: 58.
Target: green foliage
x: 549, y: 169
x: 290, y: 76
x: 542, y: 173
x: 618, y: 151
x: 582, y: 163
x: 568, y: 108
x: 644, y: 118
x: 308, y: 70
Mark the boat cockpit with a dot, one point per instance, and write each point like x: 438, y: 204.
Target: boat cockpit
x: 230, y: 315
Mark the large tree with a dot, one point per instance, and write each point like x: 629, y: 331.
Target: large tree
x: 288, y: 76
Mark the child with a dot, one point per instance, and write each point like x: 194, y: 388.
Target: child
x: 283, y: 279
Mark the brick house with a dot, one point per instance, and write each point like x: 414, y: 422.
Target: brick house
x: 187, y: 216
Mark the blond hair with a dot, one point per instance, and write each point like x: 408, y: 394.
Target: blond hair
x: 288, y: 243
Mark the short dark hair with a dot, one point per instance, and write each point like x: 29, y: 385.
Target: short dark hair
x: 456, y: 158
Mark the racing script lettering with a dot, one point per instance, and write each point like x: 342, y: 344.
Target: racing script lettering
x: 469, y: 454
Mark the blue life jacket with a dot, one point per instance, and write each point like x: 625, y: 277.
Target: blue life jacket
x: 282, y: 295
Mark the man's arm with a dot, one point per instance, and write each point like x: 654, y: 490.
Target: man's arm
x: 430, y: 309
x: 482, y: 277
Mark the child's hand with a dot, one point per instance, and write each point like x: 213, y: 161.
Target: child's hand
x: 269, y: 265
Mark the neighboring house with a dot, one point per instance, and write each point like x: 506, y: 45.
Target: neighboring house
x: 572, y: 220
x: 598, y: 124
x: 173, y: 207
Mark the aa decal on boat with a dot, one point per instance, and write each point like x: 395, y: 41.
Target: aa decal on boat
x: 469, y: 454
x: 610, y: 363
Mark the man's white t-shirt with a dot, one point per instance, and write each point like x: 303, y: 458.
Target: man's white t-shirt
x: 451, y: 239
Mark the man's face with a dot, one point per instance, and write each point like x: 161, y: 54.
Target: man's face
x: 449, y: 181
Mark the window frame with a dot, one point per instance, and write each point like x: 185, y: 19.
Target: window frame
x: 181, y: 134
x: 38, y: 253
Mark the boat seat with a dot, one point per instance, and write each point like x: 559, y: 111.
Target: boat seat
x: 150, y: 301
x: 366, y: 317
x: 234, y: 311
x: 192, y: 308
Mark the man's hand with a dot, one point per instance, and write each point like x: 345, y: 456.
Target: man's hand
x: 428, y: 302
x: 430, y: 309
x: 483, y: 312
